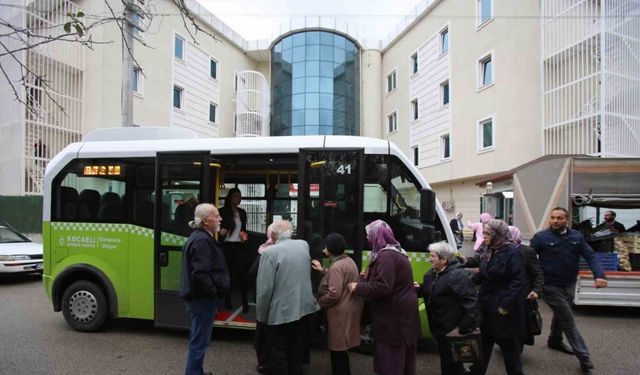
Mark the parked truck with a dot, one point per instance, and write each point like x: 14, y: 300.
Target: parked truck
x: 587, y: 187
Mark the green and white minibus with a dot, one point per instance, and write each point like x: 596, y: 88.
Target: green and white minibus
x: 117, y: 204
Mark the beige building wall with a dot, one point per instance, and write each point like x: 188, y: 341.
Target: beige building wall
x: 372, y: 120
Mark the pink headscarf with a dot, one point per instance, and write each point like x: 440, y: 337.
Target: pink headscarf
x: 485, y: 216
x: 516, y: 236
x: 269, y: 242
x: 381, y: 238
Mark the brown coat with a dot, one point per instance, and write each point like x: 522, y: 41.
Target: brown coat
x: 343, y: 308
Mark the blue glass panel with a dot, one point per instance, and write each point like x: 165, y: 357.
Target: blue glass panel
x: 338, y: 69
x: 339, y: 131
x: 298, y: 39
x: 326, y: 68
x: 326, y: 101
x: 338, y: 55
x: 311, y: 130
x: 326, y: 38
x: 313, y: 52
x: 297, y: 130
x: 297, y: 101
x: 485, y: 10
x: 312, y: 84
x: 312, y: 100
x: 445, y: 41
x: 326, y: 117
x: 312, y: 117
x: 177, y: 97
x: 287, y: 56
x: 487, y: 72
x: 179, y: 47
x: 298, y: 70
x: 350, y: 47
x: 326, y: 85
x: 326, y: 53
x: 487, y: 134
x: 326, y: 130
x: 297, y: 118
x: 278, y: 47
x: 298, y: 85
x: 338, y: 41
x: 313, y: 37
x: 298, y: 54
x: 313, y: 68
x: 287, y: 43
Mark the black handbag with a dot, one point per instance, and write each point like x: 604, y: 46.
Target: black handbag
x: 534, y: 319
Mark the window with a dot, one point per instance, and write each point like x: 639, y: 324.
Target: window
x: 212, y: 112
x: 444, y: 40
x: 485, y: 134
x: 213, y: 69
x: 136, y: 80
x: 178, y: 93
x: 444, y: 92
x: 414, y: 109
x: 445, y: 146
x: 485, y: 71
x: 392, y: 120
x: 416, y: 155
x: 485, y: 11
x: 178, y: 47
x: 414, y: 63
x: 391, y: 81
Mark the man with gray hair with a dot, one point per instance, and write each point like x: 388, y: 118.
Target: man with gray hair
x: 284, y: 297
x: 451, y: 301
x: 204, y: 278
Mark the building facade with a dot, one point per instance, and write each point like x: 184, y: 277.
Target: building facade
x: 470, y: 90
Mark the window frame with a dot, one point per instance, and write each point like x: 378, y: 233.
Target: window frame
x: 415, y: 155
x: 217, y: 70
x: 393, y: 114
x: 393, y: 73
x: 480, y: 71
x: 414, y: 63
x: 215, y: 113
x: 139, y: 79
x: 480, y: 134
x: 479, y: 22
x: 184, y: 47
x: 444, y: 84
x: 173, y: 99
x: 415, y: 109
x: 445, y: 138
x: 443, y: 31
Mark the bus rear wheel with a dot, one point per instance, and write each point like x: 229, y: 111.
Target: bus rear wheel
x: 84, y: 306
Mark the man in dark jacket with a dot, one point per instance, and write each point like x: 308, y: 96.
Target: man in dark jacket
x: 204, y: 277
x: 451, y: 301
x: 559, y: 249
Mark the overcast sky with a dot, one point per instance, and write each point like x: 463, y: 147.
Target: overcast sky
x: 259, y: 19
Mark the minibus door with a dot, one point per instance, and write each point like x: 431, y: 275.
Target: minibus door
x: 330, y: 197
x: 183, y: 179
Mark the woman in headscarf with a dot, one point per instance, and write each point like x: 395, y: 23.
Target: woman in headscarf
x: 534, y: 279
x: 388, y: 285
x: 343, y: 308
x: 477, y: 228
x: 501, y: 279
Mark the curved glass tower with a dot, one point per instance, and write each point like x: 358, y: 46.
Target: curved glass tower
x: 315, y: 85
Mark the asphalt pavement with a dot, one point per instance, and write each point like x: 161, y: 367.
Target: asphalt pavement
x: 35, y: 340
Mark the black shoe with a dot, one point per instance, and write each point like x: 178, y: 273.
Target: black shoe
x: 587, y: 367
x: 559, y: 346
x: 262, y: 369
x: 245, y: 309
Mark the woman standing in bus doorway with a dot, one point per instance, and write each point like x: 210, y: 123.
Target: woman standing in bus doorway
x: 343, y: 308
x: 477, y: 228
x: 501, y: 278
x: 388, y: 284
x: 234, y: 231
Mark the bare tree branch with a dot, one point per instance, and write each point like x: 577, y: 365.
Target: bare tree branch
x: 187, y: 17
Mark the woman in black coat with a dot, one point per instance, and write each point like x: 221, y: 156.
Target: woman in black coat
x: 233, y: 232
x: 451, y: 301
x: 502, y: 280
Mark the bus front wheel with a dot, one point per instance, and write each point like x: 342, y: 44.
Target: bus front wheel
x: 84, y: 306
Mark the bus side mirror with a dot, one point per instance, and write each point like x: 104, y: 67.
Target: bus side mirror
x: 427, y: 206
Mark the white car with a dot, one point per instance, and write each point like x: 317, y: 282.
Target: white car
x: 18, y: 253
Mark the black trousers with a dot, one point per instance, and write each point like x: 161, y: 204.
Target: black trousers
x: 286, y: 348
x: 260, y: 344
x: 510, y: 351
x: 239, y: 260
x: 340, y: 363
x: 447, y: 365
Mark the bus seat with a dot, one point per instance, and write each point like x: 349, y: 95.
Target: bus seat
x: 88, y: 204
x: 67, y: 203
x: 109, y: 207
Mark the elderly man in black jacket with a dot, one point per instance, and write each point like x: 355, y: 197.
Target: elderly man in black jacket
x: 451, y: 301
x: 204, y: 277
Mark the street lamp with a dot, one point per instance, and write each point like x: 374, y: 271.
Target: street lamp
x: 489, y: 187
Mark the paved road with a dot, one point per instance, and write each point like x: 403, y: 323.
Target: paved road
x: 35, y: 340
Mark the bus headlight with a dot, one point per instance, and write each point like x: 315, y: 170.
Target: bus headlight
x: 9, y: 258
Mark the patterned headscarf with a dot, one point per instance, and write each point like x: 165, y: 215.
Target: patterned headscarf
x: 500, y: 234
x: 485, y: 216
x: 516, y: 236
x: 269, y: 242
x: 381, y: 238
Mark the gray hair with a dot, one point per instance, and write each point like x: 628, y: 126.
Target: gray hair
x: 443, y: 250
x: 282, y: 229
x: 202, y: 211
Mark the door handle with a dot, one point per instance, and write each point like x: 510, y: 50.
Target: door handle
x: 164, y: 259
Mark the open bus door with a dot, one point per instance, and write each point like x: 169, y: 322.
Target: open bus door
x: 330, y: 198
x: 183, y: 179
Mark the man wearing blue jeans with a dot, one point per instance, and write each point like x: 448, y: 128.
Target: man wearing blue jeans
x: 204, y: 277
x: 559, y: 249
